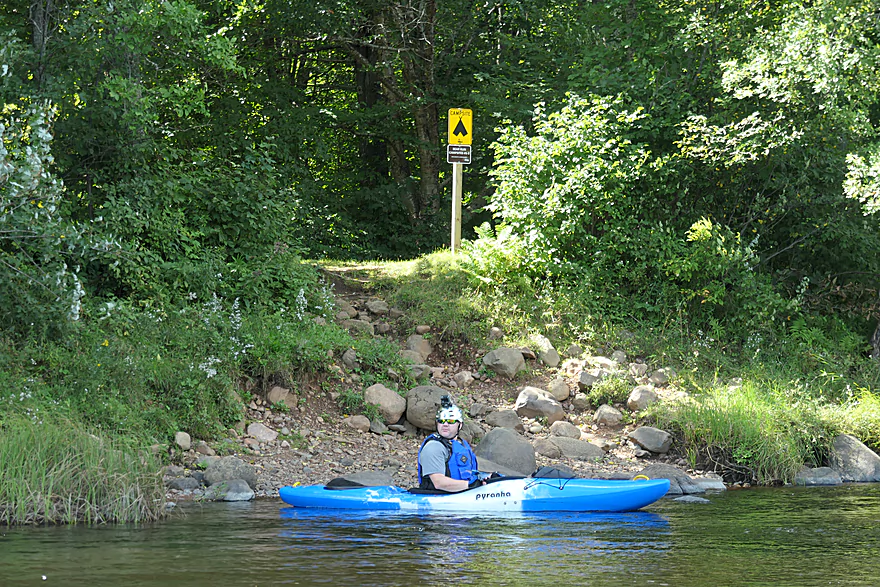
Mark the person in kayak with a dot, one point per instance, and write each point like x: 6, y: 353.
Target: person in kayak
x: 447, y: 462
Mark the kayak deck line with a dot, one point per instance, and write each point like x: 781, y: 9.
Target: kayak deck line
x: 528, y: 494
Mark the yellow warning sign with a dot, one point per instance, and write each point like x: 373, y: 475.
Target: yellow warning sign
x: 461, y: 126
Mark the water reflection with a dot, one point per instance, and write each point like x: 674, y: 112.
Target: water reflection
x: 776, y: 537
x: 495, y: 549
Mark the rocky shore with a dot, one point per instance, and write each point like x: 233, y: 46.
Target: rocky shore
x: 527, y: 407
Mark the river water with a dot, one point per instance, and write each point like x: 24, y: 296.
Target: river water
x: 774, y: 537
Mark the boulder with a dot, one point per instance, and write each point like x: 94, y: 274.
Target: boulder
x: 422, y: 403
x: 608, y: 415
x: 679, y: 482
x: 580, y: 402
x: 505, y: 419
x: 183, y: 484
x: 391, y: 405
x: 638, y: 370
x: 261, y: 432
x: 277, y: 395
x: 471, y: 431
x: 231, y: 490
x: 418, y: 343
x: 545, y: 448
x: 533, y: 402
x: 377, y: 307
x: 183, y: 440
x: 228, y: 468
x: 545, y: 351
x: 566, y: 429
x: 350, y: 360
x: 853, y: 460
x: 577, y: 449
x: 358, y: 422
x: 506, y: 362
x: 618, y: 357
x: 463, y: 379
x: 641, y: 397
x: 558, y: 388
x: 508, y: 449
x: 651, y: 439
x: 821, y: 476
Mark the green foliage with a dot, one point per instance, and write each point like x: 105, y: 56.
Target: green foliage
x: 610, y: 390
x: 748, y: 434
x: 41, y: 252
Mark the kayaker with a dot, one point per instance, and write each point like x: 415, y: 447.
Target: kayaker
x: 447, y: 462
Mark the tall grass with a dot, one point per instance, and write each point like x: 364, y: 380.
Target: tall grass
x: 58, y: 473
x: 748, y: 434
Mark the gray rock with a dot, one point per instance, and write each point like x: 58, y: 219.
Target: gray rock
x: 183, y: 440
x: 378, y: 307
x: 471, y: 431
x: 505, y: 419
x: 566, y: 429
x: 417, y: 343
x: 854, y: 461
x: 618, y: 357
x: 261, y: 432
x: 496, y: 333
x: 559, y: 390
x: 506, y: 362
x: 183, y: 484
x: 577, y: 449
x: 412, y: 357
x: 652, y: 439
x: 463, y: 379
x: 203, y: 449
x: 391, y: 405
x: 641, y: 397
x: 815, y: 477
x: 420, y: 372
x: 679, y: 481
x: 638, y: 370
x: 508, y: 449
x: 580, y: 402
x: 608, y: 415
x: 350, y: 360
x: 545, y: 448
x: 277, y: 395
x: 574, y: 351
x: 422, y: 403
x: 231, y: 490
x: 533, y: 402
x: 377, y: 427
x: 545, y: 351
x: 358, y: 422
x: 227, y: 468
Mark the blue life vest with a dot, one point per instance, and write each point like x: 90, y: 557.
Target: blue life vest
x: 461, y: 462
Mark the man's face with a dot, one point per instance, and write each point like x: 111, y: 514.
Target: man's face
x: 448, y: 429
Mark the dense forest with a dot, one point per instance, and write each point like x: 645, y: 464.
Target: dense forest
x: 712, y: 166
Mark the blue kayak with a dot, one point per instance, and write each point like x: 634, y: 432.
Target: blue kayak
x: 527, y: 494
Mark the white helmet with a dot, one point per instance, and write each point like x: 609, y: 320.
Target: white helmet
x: 449, y: 411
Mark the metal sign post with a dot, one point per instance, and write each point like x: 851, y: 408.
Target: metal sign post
x: 458, y: 153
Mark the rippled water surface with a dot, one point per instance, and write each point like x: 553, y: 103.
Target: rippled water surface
x: 779, y: 537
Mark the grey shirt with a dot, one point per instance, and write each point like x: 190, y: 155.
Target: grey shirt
x: 433, y: 458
